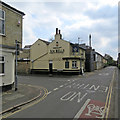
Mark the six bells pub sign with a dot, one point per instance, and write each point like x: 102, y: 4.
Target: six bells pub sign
x: 57, y: 49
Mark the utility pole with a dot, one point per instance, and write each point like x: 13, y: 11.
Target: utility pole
x: 16, y: 54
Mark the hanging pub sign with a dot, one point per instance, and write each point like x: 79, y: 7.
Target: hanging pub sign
x: 75, y: 49
x: 57, y: 49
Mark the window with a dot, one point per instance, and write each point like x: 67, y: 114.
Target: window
x: 66, y: 64
x: 2, y: 22
x: 74, y: 64
x: 2, y: 65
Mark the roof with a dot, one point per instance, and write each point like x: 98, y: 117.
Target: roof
x: 45, y: 42
x: 75, y: 44
x: 27, y: 46
x: 12, y: 8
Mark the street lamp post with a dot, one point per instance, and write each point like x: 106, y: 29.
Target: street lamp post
x: 16, y: 54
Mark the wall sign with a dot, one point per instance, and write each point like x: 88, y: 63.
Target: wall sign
x: 57, y: 49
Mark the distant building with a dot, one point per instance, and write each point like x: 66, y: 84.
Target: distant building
x: 57, y: 56
x: 90, y: 58
x: 100, y: 61
x: 109, y: 59
x: 11, y: 21
x: 24, y: 61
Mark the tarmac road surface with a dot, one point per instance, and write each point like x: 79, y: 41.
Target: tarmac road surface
x: 88, y: 96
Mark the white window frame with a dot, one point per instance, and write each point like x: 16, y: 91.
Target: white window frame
x: 3, y: 19
x: 74, y: 64
x: 3, y: 62
x: 67, y: 63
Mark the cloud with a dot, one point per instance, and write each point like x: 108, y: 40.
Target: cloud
x: 101, y: 14
x: 75, y: 18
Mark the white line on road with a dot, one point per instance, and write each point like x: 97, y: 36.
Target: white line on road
x: 55, y: 89
x: 61, y: 86
x: 49, y: 92
x: 82, y: 109
x: 90, y: 91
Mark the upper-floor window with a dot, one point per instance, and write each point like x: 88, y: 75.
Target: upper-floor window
x: 2, y: 21
x: 2, y: 65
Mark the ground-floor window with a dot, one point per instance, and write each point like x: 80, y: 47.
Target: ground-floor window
x: 2, y: 65
x: 66, y: 64
x: 74, y: 64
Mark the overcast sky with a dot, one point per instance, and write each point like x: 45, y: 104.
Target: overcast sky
x: 76, y: 18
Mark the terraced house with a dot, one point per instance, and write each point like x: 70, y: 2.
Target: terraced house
x: 11, y: 21
x: 57, y: 56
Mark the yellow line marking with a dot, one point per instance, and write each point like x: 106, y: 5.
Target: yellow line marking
x: 108, y: 99
x: 110, y: 96
x: 25, y: 107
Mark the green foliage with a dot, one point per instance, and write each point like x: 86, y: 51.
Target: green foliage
x: 119, y: 66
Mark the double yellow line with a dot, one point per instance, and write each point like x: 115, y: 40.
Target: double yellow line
x: 108, y: 99
x: 27, y: 106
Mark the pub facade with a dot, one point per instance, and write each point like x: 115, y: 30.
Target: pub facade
x: 57, y: 56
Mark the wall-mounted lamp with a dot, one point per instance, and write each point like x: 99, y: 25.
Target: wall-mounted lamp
x: 18, y: 24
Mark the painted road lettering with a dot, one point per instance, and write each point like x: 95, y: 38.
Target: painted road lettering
x: 95, y: 88
x: 88, y: 87
x: 70, y: 96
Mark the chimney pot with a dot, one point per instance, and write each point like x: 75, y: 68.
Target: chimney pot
x: 56, y: 30
x: 59, y: 31
x: 90, y: 40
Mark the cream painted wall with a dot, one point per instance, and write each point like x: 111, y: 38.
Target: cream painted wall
x: 12, y: 30
x: 9, y: 76
x: 38, y: 49
x: 42, y: 51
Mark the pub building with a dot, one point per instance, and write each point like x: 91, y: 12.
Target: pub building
x: 57, y: 56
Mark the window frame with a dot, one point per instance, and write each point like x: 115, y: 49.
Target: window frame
x: 74, y: 64
x: 2, y: 19
x: 3, y: 63
x: 67, y: 62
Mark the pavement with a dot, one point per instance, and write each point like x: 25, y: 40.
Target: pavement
x: 12, y: 99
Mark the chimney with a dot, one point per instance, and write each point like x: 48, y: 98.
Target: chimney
x: 59, y: 31
x: 90, y: 40
x: 58, y: 34
x: 56, y: 30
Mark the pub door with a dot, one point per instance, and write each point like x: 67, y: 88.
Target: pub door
x: 50, y: 67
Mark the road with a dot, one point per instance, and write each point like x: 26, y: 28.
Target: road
x: 87, y: 96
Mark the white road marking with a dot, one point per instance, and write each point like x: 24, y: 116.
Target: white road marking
x: 82, y: 109
x: 49, y: 92
x: 80, y: 86
x: 90, y: 91
x: 73, y: 84
x: 95, y: 88
x: 76, y: 85
x: 65, y: 99
x: 86, y: 86
x: 103, y: 89
x: 79, y: 97
x: 55, y: 89
x: 61, y: 85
